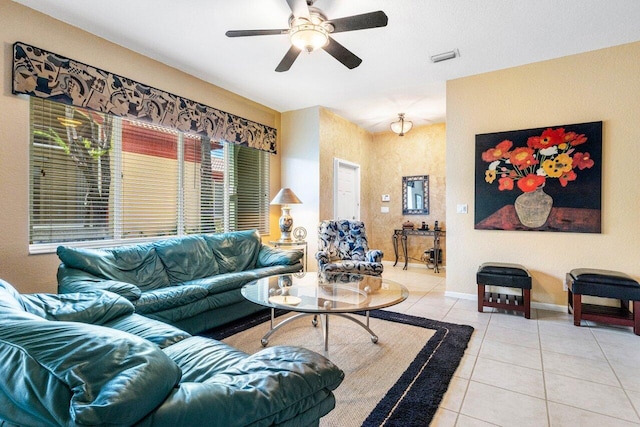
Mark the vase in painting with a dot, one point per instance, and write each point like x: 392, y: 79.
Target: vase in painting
x: 533, y: 208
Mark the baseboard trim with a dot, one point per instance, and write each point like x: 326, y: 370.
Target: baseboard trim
x: 536, y: 305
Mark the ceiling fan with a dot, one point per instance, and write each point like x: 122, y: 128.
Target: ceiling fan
x: 309, y: 29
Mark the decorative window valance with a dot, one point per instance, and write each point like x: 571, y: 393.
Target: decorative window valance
x: 47, y: 75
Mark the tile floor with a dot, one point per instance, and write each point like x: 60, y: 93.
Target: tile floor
x: 543, y: 371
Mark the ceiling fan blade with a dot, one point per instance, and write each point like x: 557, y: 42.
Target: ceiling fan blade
x: 245, y: 33
x: 342, y: 54
x: 359, y: 22
x: 288, y: 59
x: 299, y: 8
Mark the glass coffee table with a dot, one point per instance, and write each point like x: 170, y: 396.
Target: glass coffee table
x: 321, y: 295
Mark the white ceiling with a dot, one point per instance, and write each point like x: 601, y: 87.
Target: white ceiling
x: 396, y: 74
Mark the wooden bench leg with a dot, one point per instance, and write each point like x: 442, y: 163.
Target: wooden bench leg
x: 636, y: 317
x: 480, y: 298
x: 577, y: 309
x: 526, y: 296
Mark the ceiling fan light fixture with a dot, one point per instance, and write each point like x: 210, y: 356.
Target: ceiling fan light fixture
x: 402, y: 126
x: 308, y: 36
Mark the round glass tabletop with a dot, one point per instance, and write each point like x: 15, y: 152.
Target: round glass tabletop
x: 325, y: 292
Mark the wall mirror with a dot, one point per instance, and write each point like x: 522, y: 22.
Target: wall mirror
x: 415, y: 195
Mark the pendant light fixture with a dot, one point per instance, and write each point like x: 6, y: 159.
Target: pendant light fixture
x: 402, y: 126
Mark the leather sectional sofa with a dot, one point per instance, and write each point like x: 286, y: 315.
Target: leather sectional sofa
x: 87, y: 359
x: 191, y: 282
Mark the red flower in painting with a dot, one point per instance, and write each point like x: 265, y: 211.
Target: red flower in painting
x: 566, y: 177
x: 549, y: 138
x: 505, y: 184
x: 523, y: 157
x: 548, y: 156
x: 574, y: 139
x: 582, y: 161
x: 530, y: 182
x: 500, y: 151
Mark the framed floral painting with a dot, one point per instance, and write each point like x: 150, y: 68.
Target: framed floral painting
x: 544, y: 179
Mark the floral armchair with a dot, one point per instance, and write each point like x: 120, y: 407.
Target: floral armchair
x: 343, y: 247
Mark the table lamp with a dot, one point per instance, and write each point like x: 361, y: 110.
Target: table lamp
x: 285, y: 197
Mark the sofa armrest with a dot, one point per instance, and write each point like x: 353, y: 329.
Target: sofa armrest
x: 278, y: 384
x: 268, y: 256
x: 72, y: 280
x: 96, y: 307
x: 374, y: 255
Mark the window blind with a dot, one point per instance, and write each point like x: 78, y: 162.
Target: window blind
x: 99, y: 180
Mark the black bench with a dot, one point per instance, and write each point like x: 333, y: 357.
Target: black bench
x: 604, y: 284
x: 507, y: 276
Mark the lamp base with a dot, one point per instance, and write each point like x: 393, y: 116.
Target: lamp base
x: 286, y: 224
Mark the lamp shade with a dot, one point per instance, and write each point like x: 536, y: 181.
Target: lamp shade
x: 309, y: 37
x: 286, y: 197
x: 402, y: 126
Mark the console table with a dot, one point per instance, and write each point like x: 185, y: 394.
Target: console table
x: 402, y: 235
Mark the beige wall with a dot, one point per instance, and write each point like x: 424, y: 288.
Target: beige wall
x: 36, y: 273
x: 419, y: 152
x: 300, y: 171
x: 599, y: 85
x: 341, y: 139
x: 314, y: 137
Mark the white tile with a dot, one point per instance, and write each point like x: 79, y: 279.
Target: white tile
x: 567, y: 416
x: 511, y: 353
x: 465, y: 368
x: 444, y: 418
x: 627, y: 371
x: 599, y: 398
x: 510, y: 377
x: 585, y: 346
x: 566, y: 330
x: 514, y: 321
x: 452, y: 399
x: 503, y: 407
x: 465, y: 421
x: 513, y: 336
x: 429, y: 311
x: 595, y: 370
x: 591, y: 373
x: 470, y: 305
x: 634, y: 396
x: 457, y: 315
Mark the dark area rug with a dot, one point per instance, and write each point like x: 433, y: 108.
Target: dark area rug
x: 414, y: 399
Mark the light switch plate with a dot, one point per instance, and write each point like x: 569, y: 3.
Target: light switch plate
x: 384, y: 209
x: 386, y: 198
x: 461, y: 209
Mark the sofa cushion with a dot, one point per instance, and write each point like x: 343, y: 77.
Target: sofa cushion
x: 236, y: 251
x: 173, y: 296
x: 186, y: 258
x: 160, y: 333
x: 97, y: 373
x: 137, y: 264
x: 268, y: 256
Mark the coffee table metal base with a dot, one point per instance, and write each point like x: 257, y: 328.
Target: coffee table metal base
x: 325, y: 331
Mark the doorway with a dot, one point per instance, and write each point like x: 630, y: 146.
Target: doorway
x: 346, y: 190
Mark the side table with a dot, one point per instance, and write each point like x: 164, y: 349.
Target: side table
x: 293, y: 244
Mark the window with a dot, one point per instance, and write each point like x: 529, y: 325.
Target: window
x: 98, y: 180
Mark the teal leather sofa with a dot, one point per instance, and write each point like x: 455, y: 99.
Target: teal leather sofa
x: 191, y: 282
x: 87, y: 359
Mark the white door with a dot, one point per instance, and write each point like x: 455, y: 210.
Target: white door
x: 346, y: 190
